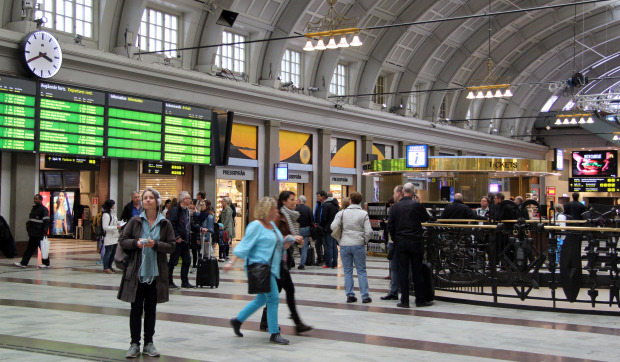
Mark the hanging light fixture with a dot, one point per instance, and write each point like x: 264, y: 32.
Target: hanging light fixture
x: 615, y: 137
x: 309, y: 47
x: 332, y: 24
x: 471, y: 95
x: 480, y: 95
x: 582, y: 120
x: 332, y: 43
x: 489, y: 94
x: 573, y: 119
x: 558, y: 121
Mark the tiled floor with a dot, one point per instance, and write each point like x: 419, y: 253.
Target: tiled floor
x: 71, y: 313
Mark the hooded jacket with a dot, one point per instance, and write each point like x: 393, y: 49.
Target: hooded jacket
x: 330, y: 209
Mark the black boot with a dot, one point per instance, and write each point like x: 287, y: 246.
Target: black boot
x: 301, y: 327
x: 236, y: 324
x: 263, y: 320
x: 277, y: 338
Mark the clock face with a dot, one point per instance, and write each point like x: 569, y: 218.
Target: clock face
x: 42, y: 55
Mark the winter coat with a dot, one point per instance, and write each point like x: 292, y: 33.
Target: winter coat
x: 226, y: 218
x: 356, y: 229
x: 38, y: 222
x: 330, y: 209
x: 129, y: 242
x: 109, y: 225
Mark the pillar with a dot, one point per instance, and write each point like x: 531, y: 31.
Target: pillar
x: 272, y: 156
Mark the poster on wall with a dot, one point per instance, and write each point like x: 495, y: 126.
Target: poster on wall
x: 295, y: 147
x: 342, y: 152
x: 244, y: 142
x: 62, y: 218
x: 595, y: 163
x: 46, y: 200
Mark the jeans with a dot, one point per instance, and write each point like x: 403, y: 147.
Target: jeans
x: 349, y: 255
x: 272, y: 299
x: 305, y: 232
x: 34, y: 242
x: 394, y: 272
x: 108, y: 257
x: 331, y: 251
x: 411, y: 252
x: 146, y: 300
x: 181, y: 250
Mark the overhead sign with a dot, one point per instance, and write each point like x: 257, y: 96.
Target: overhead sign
x: 417, y: 156
x: 558, y: 159
x: 72, y: 163
x: 346, y: 180
x: 235, y: 173
x: 594, y: 184
x: 17, y: 114
x: 155, y: 168
x: 551, y: 190
x: 300, y: 177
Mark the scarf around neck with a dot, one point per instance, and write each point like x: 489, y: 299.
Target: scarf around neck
x: 291, y: 218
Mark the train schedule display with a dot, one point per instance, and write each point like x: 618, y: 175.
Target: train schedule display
x: 17, y: 114
x: 187, y: 133
x: 71, y: 120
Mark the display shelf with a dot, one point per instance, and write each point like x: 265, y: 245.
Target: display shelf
x: 377, y: 213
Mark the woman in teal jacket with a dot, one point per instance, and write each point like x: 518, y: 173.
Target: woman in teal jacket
x: 257, y: 246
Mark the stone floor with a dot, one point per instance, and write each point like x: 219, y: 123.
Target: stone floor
x: 70, y: 313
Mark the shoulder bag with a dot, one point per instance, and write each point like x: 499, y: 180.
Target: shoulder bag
x: 259, y: 274
x: 337, y: 233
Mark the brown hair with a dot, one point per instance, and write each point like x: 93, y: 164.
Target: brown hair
x: 356, y: 197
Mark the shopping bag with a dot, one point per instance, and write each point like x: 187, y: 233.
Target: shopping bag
x: 45, y: 248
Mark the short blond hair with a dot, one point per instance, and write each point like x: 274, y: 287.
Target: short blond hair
x: 264, y: 207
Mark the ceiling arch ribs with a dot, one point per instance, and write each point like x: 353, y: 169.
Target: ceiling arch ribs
x: 129, y: 22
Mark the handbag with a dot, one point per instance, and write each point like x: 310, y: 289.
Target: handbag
x: 120, y: 257
x: 45, y: 248
x: 259, y: 274
x: 337, y: 233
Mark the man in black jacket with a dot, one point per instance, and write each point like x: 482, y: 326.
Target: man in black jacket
x: 458, y: 210
x: 319, y: 235
x: 132, y: 208
x: 305, y: 222
x: 37, y: 226
x: 179, y: 218
x: 405, y: 228
x: 330, y: 209
x: 575, y: 208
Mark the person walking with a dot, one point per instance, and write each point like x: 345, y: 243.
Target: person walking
x: 287, y: 224
x: 305, y: 223
x: 37, y: 226
x: 226, y: 219
x: 262, y: 243
x: 110, y: 227
x: 356, y: 231
x: 146, y: 239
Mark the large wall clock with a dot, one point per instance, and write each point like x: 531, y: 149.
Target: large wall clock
x: 41, y: 54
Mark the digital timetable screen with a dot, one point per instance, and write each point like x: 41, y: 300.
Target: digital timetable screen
x: 187, y: 133
x: 134, y: 127
x: 17, y: 114
x: 71, y: 120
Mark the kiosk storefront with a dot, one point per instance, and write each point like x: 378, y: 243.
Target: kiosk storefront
x: 340, y: 186
x: 233, y: 182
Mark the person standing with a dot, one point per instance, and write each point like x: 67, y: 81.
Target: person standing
x: 226, y: 219
x: 483, y: 210
x: 405, y: 228
x: 37, y: 226
x: 356, y: 231
x: 319, y: 238
x: 166, y: 207
x: 575, y: 208
x: 110, y: 227
x: 179, y: 218
x: 132, y: 208
x: 146, y: 239
x: 305, y: 222
x: 330, y: 209
x: 458, y: 210
x: 394, y: 272
x: 200, y: 199
x: 262, y: 243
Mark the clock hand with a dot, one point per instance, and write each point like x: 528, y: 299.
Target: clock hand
x: 37, y: 57
x: 47, y: 58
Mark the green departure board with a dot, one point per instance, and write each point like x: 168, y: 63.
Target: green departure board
x: 134, y: 127
x: 187, y: 132
x: 71, y: 120
x: 17, y: 114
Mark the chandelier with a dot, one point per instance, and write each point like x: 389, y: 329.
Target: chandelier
x: 573, y: 119
x: 487, y: 86
x: 331, y: 25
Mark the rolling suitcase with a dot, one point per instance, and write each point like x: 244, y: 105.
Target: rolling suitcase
x: 207, y: 269
x: 310, y: 258
x: 429, y: 284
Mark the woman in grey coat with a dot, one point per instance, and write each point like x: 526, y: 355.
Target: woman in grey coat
x: 356, y: 231
x: 146, y: 240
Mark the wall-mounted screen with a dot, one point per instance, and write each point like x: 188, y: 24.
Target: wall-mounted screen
x: 558, y: 159
x: 187, y: 131
x: 53, y: 180
x: 494, y: 188
x: 417, y: 156
x: 157, y: 168
x: 595, y: 163
x: 281, y: 171
x: 71, y: 179
x: 71, y: 120
x: 62, y: 216
x: 17, y: 114
x: 589, y: 184
x: 134, y: 127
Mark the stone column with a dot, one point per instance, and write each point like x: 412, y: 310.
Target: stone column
x: 324, y: 159
x: 367, y: 181
x: 272, y: 156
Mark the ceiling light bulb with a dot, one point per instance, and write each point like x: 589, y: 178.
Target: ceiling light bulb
x: 565, y: 121
x: 615, y: 137
x: 558, y: 121
x: 320, y: 45
x: 590, y: 120
x: 343, y: 42
x: 498, y: 94
x: 489, y: 94
x: 573, y: 120
x: 309, y: 47
x: 356, y: 42
x: 480, y: 94
x: 508, y: 93
x: 582, y: 120
x: 332, y: 44
x: 471, y: 95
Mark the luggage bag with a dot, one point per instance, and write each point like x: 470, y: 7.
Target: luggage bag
x: 429, y: 284
x: 207, y: 269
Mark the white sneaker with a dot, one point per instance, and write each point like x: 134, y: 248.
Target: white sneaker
x: 19, y: 265
x: 192, y: 271
x: 43, y: 266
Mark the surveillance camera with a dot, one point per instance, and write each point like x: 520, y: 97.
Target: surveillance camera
x: 286, y: 84
x: 179, y: 55
x: 433, y: 125
x: 313, y: 89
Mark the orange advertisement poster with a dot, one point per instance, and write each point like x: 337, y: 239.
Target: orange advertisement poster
x: 343, y: 155
x: 295, y: 147
x: 244, y: 141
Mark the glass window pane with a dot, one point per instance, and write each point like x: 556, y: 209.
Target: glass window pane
x: 88, y: 14
x: 88, y: 30
x: 68, y: 8
x: 60, y: 9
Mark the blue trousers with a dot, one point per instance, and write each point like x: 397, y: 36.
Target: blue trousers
x: 354, y: 255
x: 331, y: 251
x: 272, y: 299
